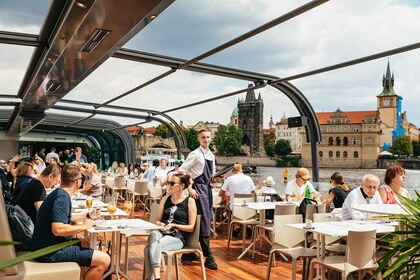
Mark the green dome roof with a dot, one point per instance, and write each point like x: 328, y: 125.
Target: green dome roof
x: 235, y: 112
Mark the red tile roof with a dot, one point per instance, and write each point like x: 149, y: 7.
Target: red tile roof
x: 150, y: 130
x: 353, y: 116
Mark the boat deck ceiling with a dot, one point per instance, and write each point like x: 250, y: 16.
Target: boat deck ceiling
x: 77, y: 37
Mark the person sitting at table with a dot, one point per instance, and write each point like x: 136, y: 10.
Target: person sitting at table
x: 92, y: 185
x: 394, y: 180
x: 53, y: 226
x: 122, y: 170
x: 296, y: 188
x: 339, y: 191
x: 365, y: 194
x: 112, y: 170
x: 177, y: 216
x: 32, y: 196
x: 238, y: 183
x: 268, y: 183
x: 25, y: 173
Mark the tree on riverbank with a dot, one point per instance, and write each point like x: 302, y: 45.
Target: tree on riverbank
x: 228, y: 140
x: 402, y: 146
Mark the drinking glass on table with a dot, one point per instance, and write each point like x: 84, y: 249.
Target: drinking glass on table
x: 112, y: 208
x: 128, y: 207
x: 89, y: 202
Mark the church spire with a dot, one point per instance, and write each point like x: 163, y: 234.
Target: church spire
x: 271, y: 123
x: 250, y: 94
x: 388, y: 83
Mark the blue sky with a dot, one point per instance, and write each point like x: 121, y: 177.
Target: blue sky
x: 335, y: 32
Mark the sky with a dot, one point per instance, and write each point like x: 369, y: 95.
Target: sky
x: 334, y: 32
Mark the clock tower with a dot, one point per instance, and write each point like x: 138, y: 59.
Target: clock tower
x: 388, y: 101
x: 389, y: 105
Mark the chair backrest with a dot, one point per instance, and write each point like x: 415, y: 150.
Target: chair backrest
x: 192, y: 240
x: 130, y: 185
x: 109, y: 181
x: 285, y: 209
x: 242, y: 213
x: 120, y: 182
x: 321, y: 218
x: 154, y: 192
x: 310, y: 210
x: 154, y: 209
x: 285, y: 236
x: 217, y: 200
x: 244, y: 195
x: 360, y: 247
x: 141, y: 186
x: 6, y: 252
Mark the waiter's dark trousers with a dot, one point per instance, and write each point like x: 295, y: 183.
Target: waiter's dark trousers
x: 205, y: 245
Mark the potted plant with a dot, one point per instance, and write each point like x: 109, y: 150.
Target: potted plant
x: 402, y: 257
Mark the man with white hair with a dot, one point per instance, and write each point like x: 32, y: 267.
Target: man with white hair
x: 367, y: 193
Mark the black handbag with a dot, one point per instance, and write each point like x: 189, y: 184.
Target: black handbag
x: 20, y: 223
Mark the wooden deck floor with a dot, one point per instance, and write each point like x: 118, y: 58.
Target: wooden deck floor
x: 229, y: 266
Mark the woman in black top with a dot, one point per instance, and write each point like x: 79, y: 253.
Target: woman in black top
x: 177, y: 215
x: 339, y: 191
x: 32, y: 196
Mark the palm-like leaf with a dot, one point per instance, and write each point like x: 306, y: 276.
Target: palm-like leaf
x: 402, y: 259
x: 35, y: 254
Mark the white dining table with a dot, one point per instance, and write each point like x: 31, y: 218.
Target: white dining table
x: 259, y: 206
x: 339, y: 229
x: 116, y: 227
x: 385, y: 209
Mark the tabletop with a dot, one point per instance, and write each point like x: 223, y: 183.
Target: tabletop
x: 342, y: 228
x: 388, y: 209
x: 267, y: 205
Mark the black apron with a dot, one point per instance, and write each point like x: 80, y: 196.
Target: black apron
x: 205, y: 197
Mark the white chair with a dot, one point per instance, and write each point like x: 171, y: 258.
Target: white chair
x: 312, y: 208
x: 140, y: 189
x: 331, y: 243
x: 30, y: 270
x: 360, y: 255
x: 192, y: 245
x: 217, y: 204
x: 153, y: 195
x: 289, y: 241
x: 120, y: 185
x: 243, y: 217
x: 280, y: 209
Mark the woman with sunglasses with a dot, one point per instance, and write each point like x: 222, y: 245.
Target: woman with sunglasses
x: 177, y: 215
x: 339, y: 191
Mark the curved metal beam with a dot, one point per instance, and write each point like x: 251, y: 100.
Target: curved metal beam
x: 125, y: 115
x: 181, y: 132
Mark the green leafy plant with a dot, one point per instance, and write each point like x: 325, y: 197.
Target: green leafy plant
x: 34, y: 254
x: 402, y: 257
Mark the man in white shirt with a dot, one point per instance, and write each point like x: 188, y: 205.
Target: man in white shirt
x: 238, y: 183
x: 367, y: 193
x: 52, y: 154
x: 200, y: 163
x: 297, y: 188
x: 161, y: 172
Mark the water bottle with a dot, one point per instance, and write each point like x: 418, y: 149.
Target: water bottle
x: 307, y: 192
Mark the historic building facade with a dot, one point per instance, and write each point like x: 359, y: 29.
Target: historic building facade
x: 354, y: 139
x: 349, y: 140
x: 291, y: 134
x: 250, y: 121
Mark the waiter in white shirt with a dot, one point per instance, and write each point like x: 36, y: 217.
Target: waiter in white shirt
x: 201, y: 164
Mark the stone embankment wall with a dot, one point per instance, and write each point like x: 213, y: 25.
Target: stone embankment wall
x: 258, y: 161
x: 406, y: 163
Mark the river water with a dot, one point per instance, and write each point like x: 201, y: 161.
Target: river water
x: 352, y: 177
